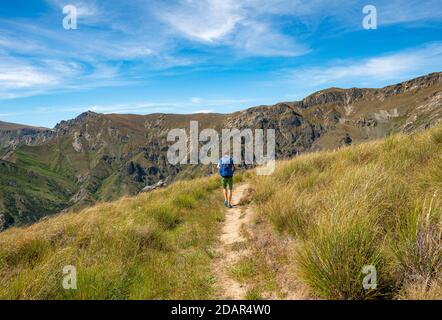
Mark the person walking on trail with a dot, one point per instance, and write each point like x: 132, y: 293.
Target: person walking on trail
x: 226, y: 169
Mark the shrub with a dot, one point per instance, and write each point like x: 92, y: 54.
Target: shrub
x: 332, y: 259
x: 148, y: 236
x: 27, y: 253
x: 166, y: 215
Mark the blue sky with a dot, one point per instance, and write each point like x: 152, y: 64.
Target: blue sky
x: 186, y: 56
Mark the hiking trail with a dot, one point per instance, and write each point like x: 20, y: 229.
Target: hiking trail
x: 242, y: 235
x: 232, y: 246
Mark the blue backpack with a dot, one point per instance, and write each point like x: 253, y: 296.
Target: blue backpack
x: 226, y: 167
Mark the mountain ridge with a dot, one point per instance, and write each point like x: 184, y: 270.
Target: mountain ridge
x: 305, y: 232
x: 412, y: 84
x: 100, y: 157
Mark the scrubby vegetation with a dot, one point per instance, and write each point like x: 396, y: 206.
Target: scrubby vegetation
x: 154, y: 246
x: 378, y: 203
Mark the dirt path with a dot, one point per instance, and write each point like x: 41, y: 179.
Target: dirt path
x: 244, y: 234
x: 232, y: 245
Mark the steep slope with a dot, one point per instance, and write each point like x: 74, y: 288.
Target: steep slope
x: 154, y: 246
x: 107, y: 156
x: 331, y: 213
x: 334, y: 117
x: 96, y: 157
x: 13, y: 135
x: 27, y: 195
x: 374, y: 205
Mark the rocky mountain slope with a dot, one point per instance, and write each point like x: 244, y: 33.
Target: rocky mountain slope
x: 12, y: 135
x: 103, y: 157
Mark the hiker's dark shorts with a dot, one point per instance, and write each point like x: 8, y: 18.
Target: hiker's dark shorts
x: 227, y: 182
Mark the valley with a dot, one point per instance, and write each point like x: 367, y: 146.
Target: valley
x: 305, y: 232
x: 102, y: 157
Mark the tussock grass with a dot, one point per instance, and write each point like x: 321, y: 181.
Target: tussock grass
x: 333, y: 258
x: 376, y: 203
x: 185, y: 201
x: 417, y: 246
x: 154, y: 246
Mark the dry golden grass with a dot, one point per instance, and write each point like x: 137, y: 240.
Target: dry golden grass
x: 377, y: 204
x: 154, y: 246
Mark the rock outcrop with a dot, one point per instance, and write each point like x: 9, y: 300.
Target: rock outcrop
x: 103, y: 157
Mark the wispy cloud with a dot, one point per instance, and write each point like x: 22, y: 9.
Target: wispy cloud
x: 206, y: 20
x: 14, y: 76
x: 88, y: 12
x: 372, y: 71
x: 236, y: 24
x: 400, y: 11
x: 203, y: 111
x: 201, y: 105
x: 122, y: 42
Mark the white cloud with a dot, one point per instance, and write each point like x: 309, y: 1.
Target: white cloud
x: 203, y: 20
x: 17, y: 77
x: 144, y: 107
x: 258, y: 39
x: 120, y: 42
x: 85, y: 9
x: 204, y: 111
x: 24, y: 77
x: 238, y: 24
x: 196, y: 100
x: 401, y: 11
x: 10, y: 114
x: 391, y: 67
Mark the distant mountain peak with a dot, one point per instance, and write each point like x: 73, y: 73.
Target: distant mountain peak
x: 86, y: 115
x: 97, y: 156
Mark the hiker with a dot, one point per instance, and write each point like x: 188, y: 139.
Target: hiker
x: 226, y: 169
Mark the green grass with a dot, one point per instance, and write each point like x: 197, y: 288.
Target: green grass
x: 253, y: 294
x: 254, y: 272
x: 376, y: 204
x: 27, y: 195
x: 148, y: 247
x: 417, y: 244
x: 243, y: 270
x: 367, y: 204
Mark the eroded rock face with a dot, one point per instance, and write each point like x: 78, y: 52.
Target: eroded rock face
x: 102, y: 157
x: 364, y: 123
x: 14, y: 137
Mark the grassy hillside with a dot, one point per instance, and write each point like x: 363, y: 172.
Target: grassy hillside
x: 107, y: 156
x: 154, y: 246
x: 27, y: 195
x: 91, y: 158
x: 375, y: 204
